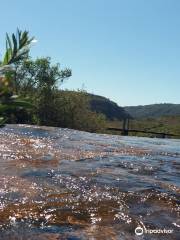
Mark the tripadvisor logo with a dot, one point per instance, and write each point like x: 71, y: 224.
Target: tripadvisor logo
x: 143, y: 230
x: 139, y: 231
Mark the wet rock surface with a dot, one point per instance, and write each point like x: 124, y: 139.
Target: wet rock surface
x: 66, y: 184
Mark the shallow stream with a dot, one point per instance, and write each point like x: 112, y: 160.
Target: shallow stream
x: 66, y: 184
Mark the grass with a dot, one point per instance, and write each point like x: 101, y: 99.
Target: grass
x: 170, y: 124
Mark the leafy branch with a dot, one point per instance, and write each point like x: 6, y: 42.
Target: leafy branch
x: 17, y: 49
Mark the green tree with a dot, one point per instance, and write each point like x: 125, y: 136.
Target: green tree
x: 17, y: 49
x: 74, y: 112
x: 39, y: 80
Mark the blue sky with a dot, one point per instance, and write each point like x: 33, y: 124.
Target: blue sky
x: 128, y: 51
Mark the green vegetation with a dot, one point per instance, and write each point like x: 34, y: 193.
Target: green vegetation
x: 163, y: 118
x: 17, y: 50
x: 30, y: 93
x: 154, y: 110
x: 169, y: 124
x: 37, y: 81
x: 107, y: 107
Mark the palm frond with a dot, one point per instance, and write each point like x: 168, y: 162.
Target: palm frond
x: 17, y: 47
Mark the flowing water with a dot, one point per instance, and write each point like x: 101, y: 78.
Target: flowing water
x: 66, y: 184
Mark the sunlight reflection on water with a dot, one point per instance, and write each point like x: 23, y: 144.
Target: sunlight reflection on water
x: 66, y: 184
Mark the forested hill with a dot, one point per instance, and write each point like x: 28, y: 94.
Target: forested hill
x: 154, y: 110
x: 109, y: 108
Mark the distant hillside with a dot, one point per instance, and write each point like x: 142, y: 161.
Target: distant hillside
x: 102, y: 105
x: 154, y: 110
x: 109, y: 108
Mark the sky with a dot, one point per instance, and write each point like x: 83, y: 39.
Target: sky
x: 125, y: 50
